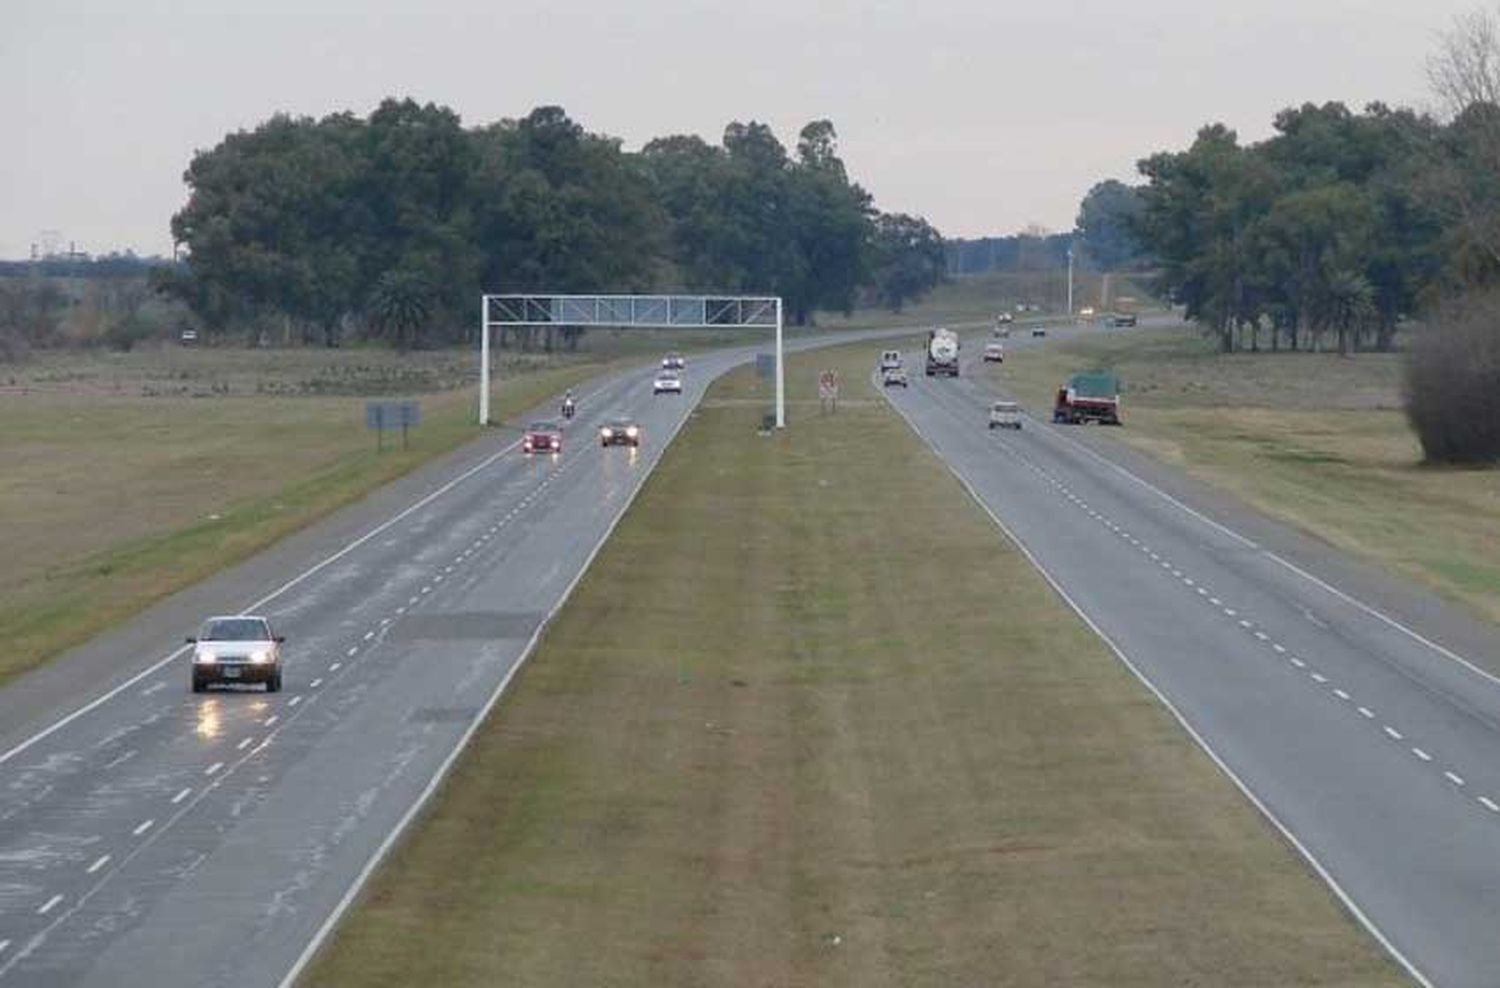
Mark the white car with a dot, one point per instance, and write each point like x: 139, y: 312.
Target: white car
x: 236, y: 648
x: 667, y: 382
x: 994, y: 352
x: 673, y: 361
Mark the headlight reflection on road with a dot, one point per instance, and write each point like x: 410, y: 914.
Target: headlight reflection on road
x: 209, y: 726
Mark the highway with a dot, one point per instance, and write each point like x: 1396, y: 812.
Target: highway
x: 150, y: 836
x: 1355, y: 711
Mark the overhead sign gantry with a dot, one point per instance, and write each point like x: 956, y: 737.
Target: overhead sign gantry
x: 626, y: 311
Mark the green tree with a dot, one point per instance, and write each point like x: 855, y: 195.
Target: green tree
x: 1105, y: 223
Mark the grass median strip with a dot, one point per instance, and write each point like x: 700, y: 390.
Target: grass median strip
x: 810, y: 720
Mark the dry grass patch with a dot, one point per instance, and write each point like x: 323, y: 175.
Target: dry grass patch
x: 810, y: 720
x: 1317, y: 440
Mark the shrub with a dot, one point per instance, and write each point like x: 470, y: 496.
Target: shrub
x: 1453, y: 382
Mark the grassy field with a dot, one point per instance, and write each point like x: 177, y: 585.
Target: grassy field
x: 1317, y: 440
x: 129, y: 476
x: 810, y: 720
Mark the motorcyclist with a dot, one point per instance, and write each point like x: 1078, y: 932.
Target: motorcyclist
x: 569, y: 404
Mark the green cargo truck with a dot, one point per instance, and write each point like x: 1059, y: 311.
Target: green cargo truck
x: 1092, y: 396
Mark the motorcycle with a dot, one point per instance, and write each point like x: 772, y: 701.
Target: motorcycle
x: 569, y: 407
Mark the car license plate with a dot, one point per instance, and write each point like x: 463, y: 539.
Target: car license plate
x: 230, y: 672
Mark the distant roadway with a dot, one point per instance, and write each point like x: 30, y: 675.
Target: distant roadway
x: 1360, y: 713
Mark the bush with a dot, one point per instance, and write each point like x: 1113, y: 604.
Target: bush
x: 1453, y: 382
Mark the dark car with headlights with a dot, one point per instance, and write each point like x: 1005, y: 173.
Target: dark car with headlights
x: 237, y: 648
x: 619, y: 432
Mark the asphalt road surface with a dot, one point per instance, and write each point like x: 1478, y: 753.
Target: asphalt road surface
x: 1359, y: 713
x: 150, y: 836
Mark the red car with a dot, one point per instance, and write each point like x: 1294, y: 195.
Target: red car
x: 542, y: 437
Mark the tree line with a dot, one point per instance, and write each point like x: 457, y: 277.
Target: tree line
x: 391, y: 225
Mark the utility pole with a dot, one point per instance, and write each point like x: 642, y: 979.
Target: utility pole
x: 1070, y: 280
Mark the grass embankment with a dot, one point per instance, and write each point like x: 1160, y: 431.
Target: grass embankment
x: 1316, y: 440
x: 126, y: 480
x: 810, y: 720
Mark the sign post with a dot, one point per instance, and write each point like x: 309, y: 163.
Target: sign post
x: 383, y: 415
x: 642, y: 311
x: 828, y: 391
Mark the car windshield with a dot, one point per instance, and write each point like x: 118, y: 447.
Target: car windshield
x: 543, y: 427
x: 621, y: 424
x: 235, y: 630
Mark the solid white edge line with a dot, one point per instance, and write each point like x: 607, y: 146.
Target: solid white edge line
x: 332, y: 920
x: 1322, y: 584
x: 256, y: 605
x: 1265, y: 811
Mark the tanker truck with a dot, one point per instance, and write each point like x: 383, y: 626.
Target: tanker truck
x: 942, y: 353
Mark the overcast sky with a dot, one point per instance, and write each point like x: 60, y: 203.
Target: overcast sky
x: 982, y: 115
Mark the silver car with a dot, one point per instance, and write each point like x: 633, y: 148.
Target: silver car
x: 237, y: 648
x: 667, y: 382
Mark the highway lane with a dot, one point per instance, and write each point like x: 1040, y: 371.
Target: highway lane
x: 1376, y: 750
x: 153, y: 836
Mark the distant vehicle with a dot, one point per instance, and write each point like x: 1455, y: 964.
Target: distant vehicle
x: 619, y: 432
x: 673, y: 361
x: 239, y: 648
x: 1087, y: 312
x: 889, y: 359
x: 188, y: 337
x: 894, y: 377
x: 667, y: 382
x: 994, y: 352
x: 1038, y: 331
x: 542, y: 437
x: 1005, y: 415
x: 1020, y: 306
x: 1093, y: 396
x: 569, y: 406
x: 1122, y: 319
x: 1004, y: 317
x: 942, y: 353
x: 1000, y: 333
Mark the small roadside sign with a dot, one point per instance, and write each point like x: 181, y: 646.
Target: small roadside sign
x: 828, y: 390
x: 383, y: 415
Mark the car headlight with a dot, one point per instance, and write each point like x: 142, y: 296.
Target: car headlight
x: 260, y: 657
x: 632, y: 432
x: 203, y: 655
x: 604, y: 433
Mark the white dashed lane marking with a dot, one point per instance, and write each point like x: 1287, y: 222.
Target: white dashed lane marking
x: 49, y: 905
x: 1244, y: 623
x: 213, y: 768
x: 144, y: 826
x: 99, y: 862
x: 181, y: 795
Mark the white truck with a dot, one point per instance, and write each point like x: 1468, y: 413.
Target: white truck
x: 942, y: 353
